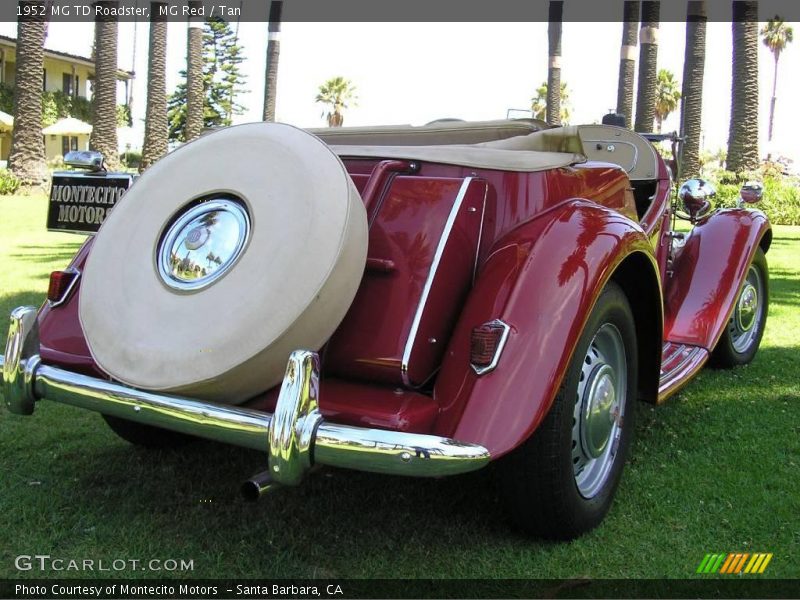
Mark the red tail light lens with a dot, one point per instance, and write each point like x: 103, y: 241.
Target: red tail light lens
x: 61, y: 283
x: 486, y: 344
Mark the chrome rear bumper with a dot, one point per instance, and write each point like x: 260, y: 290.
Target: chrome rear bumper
x: 296, y: 437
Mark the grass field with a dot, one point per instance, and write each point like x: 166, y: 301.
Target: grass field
x: 716, y: 469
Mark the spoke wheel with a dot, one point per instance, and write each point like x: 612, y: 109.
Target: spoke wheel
x: 599, y: 410
x: 742, y: 336
x: 561, y: 482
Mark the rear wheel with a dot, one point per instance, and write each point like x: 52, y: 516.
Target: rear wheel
x: 145, y: 435
x: 742, y: 336
x: 561, y: 482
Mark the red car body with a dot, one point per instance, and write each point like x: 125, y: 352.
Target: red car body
x: 454, y: 247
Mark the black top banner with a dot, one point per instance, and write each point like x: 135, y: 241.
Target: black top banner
x: 372, y: 10
x: 79, y: 203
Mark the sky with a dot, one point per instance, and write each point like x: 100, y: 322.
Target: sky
x: 417, y: 72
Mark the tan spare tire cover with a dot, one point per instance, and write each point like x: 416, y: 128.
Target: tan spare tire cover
x: 294, y: 279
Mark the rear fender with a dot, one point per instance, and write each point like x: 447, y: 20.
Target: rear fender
x: 708, y: 273
x: 542, y: 279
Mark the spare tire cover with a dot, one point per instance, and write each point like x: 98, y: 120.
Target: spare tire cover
x: 179, y: 298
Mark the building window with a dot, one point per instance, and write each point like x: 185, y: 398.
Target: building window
x: 68, y: 143
x: 66, y: 84
x: 44, y: 80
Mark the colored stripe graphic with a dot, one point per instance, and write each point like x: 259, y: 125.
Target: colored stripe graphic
x: 740, y: 564
x: 703, y: 563
x: 765, y: 563
x: 734, y: 562
x: 727, y: 564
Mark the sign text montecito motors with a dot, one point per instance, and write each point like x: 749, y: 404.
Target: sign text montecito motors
x: 80, y: 203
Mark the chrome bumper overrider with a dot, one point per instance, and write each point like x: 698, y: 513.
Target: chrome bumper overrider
x: 296, y: 437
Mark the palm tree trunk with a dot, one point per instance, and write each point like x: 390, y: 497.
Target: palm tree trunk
x: 155, y: 125
x: 104, y: 103
x: 627, y: 60
x: 648, y: 59
x: 194, y: 77
x: 774, y: 98
x: 743, y: 134
x: 692, y: 93
x: 553, y: 114
x: 27, y: 160
x: 273, y: 54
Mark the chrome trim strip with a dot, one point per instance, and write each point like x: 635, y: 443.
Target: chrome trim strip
x: 498, y: 352
x: 69, y: 289
x: 437, y: 257
x: 480, y: 234
x: 295, y: 438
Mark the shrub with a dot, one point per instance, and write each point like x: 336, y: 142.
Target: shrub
x: 8, y: 182
x: 131, y: 159
x: 781, y: 200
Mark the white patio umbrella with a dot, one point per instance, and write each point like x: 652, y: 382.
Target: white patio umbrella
x: 6, y: 122
x: 68, y: 126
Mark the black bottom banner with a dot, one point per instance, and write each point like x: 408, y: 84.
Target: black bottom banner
x: 155, y: 589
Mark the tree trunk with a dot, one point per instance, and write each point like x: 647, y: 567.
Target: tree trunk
x: 774, y: 98
x: 194, y: 77
x: 27, y: 159
x: 553, y: 114
x: 692, y: 93
x: 627, y: 60
x: 273, y: 54
x: 743, y: 135
x: 104, y: 103
x: 155, y: 125
x: 648, y: 65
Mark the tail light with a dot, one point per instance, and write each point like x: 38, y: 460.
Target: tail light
x: 61, y: 284
x: 486, y: 345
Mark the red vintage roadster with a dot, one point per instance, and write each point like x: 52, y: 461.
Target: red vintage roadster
x: 416, y: 301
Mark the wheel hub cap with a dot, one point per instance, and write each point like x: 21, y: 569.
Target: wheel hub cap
x: 202, y: 244
x: 598, y: 411
x: 747, y: 307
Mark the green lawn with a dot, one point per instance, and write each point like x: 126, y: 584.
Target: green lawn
x: 716, y: 469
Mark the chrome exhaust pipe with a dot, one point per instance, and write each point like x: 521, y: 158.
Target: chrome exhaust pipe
x: 257, y: 486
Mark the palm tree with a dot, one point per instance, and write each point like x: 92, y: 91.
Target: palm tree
x: 273, y: 54
x: 156, y: 126
x: 743, y: 132
x: 539, y: 103
x: 627, y: 60
x: 194, y: 76
x: 777, y: 35
x: 648, y: 61
x: 553, y: 112
x: 104, y: 103
x: 27, y: 160
x: 667, y: 96
x: 338, y: 93
x: 692, y: 105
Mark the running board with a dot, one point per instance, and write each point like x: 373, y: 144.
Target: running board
x: 678, y: 363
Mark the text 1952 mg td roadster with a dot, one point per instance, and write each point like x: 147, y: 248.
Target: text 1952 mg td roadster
x: 416, y: 301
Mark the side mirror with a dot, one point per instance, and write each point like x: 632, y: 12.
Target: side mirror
x: 696, y: 195
x: 751, y: 193
x: 85, y: 159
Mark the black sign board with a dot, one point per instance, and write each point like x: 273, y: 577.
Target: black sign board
x: 79, y: 203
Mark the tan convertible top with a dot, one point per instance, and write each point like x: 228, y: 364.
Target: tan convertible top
x: 523, y: 150
x: 437, y: 133
x: 508, y: 145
